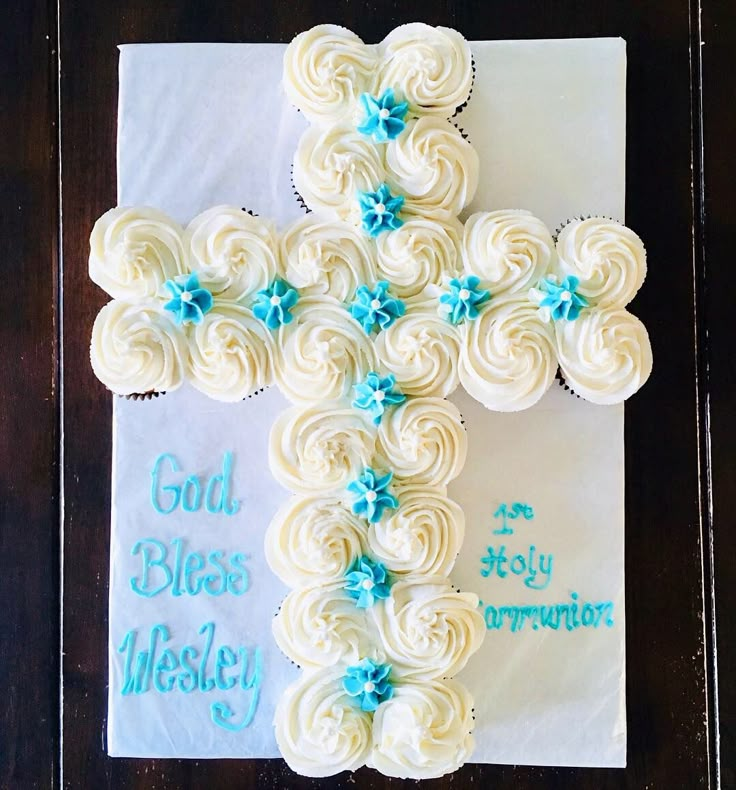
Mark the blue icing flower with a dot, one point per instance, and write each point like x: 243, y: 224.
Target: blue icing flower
x: 562, y: 298
x: 190, y: 302
x: 376, y: 307
x: 366, y: 582
x: 380, y: 210
x: 368, y: 682
x: 373, y: 495
x: 375, y: 393
x: 273, y: 304
x: 384, y: 116
x: 463, y: 299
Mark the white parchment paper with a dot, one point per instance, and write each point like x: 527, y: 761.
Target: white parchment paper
x: 203, y: 124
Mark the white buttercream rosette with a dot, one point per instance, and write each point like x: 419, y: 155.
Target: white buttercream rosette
x: 314, y: 539
x: 428, y: 630
x: 608, y: 258
x: 423, y: 442
x: 418, y: 254
x: 320, y: 626
x: 134, y: 251
x: 320, y: 449
x: 234, y: 253
x: 422, y: 536
x: 424, y: 731
x: 421, y: 349
x: 319, y: 729
x: 432, y: 68
x: 323, y: 256
x: 605, y: 355
x: 230, y: 353
x: 510, y: 250
x: 322, y: 353
x: 508, y: 358
x: 137, y: 348
x: 327, y: 68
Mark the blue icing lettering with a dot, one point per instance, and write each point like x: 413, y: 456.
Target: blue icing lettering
x: 217, y: 497
x: 205, y: 683
x: 160, y: 669
x: 187, y: 652
x: 226, y: 659
x: 570, y: 615
x: 186, y: 578
x: 166, y: 663
x: 238, y: 574
x: 221, y: 713
x: 142, y: 587
x: 533, y: 565
x: 175, y: 491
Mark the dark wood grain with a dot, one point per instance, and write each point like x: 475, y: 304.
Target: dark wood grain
x: 29, y: 504
x: 717, y: 275
x: 666, y: 683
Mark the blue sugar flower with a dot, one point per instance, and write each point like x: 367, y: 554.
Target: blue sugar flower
x: 463, y: 299
x: 380, y: 210
x: 376, y: 307
x: 375, y: 393
x: 384, y: 116
x: 368, y: 682
x: 366, y: 582
x: 273, y: 304
x: 190, y: 301
x: 373, y: 495
x: 562, y: 298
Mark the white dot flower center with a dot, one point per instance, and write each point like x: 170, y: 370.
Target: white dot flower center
x: 369, y: 687
x: 367, y: 584
x: 370, y: 496
x: 379, y: 208
x: 384, y: 113
x: 186, y: 296
x: 275, y: 300
x: 464, y: 294
x: 379, y: 395
x: 566, y: 296
x: 376, y: 304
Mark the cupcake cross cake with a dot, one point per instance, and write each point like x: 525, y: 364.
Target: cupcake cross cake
x: 342, y: 530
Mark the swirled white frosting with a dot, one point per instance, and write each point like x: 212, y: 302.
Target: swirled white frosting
x: 327, y: 256
x: 424, y: 731
x: 138, y: 348
x: 508, y: 360
x: 322, y: 353
x: 320, y: 449
x: 314, y: 539
x: 134, y: 251
x: 326, y: 69
x: 434, y: 167
x: 427, y: 629
x: 609, y: 259
x: 319, y: 729
x: 321, y: 626
x: 605, y: 355
x: 509, y: 250
x: 230, y: 353
x: 423, y: 536
x: 418, y: 254
x: 421, y: 349
x: 332, y: 165
x: 423, y: 441
x: 431, y: 67
x: 234, y: 253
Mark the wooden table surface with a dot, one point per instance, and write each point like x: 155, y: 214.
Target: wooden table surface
x: 59, y: 69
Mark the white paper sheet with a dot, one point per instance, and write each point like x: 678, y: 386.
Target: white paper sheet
x: 204, y: 124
